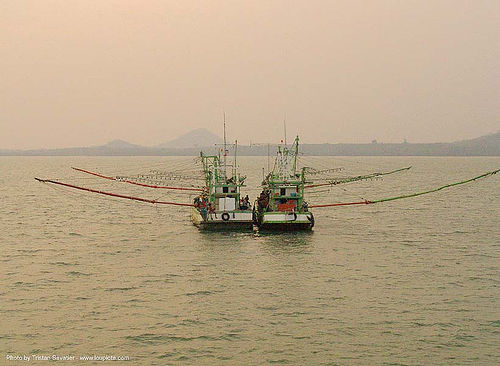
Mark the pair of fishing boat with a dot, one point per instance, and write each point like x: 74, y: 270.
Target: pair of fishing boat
x: 280, y: 206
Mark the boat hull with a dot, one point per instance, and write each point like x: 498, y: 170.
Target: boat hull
x: 285, y: 227
x: 285, y: 221
x: 227, y: 220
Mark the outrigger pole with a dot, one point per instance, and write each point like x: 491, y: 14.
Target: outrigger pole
x: 114, y: 194
x: 354, y: 179
x: 136, y: 183
x: 367, y: 202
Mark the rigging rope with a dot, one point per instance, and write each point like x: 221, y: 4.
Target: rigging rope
x: 367, y: 202
x: 137, y: 183
x: 114, y: 194
x: 354, y: 179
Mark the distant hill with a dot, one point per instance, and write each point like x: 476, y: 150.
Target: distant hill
x: 191, y: 143
x: 487, y: 145
x: 120, y: 144
x: 200, y: 137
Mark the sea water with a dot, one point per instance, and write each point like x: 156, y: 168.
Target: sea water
x: 407, y: 282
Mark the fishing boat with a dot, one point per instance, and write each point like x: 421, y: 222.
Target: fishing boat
x: 281, y: 204
x: 220, y: 206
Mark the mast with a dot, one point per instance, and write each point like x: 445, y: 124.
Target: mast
x: 235, y: 154
x: 295, y: 153
x: 225, y: 167
x: 268, y: 157
x: 284, y: 127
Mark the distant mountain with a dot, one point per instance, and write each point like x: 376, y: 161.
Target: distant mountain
x: 198, y: 138
x: 484, y: 145
x: 192, y: 142
x: 488, y: 145
x: 121, y: 144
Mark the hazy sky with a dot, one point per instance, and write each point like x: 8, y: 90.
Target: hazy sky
x: 76, y: 73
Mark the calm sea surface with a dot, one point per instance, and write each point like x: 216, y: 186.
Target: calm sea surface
x: 411, y: 282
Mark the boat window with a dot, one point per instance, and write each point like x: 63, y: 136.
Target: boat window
x: 283, y: 192
x: 225, y: 189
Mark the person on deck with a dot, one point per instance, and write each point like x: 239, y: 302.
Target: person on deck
x: 245, y: 203
x: 263, y: 201
x: 305, y: 206
x: 197, y: 202
x: 203, y: 212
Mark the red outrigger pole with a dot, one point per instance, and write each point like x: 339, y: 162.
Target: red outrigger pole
x: 114, y: 194
x: 136, y: 183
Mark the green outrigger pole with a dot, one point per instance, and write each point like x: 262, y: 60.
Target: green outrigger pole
x: 446, y: 186
x: 334, y: 182
x: 436, y: 189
